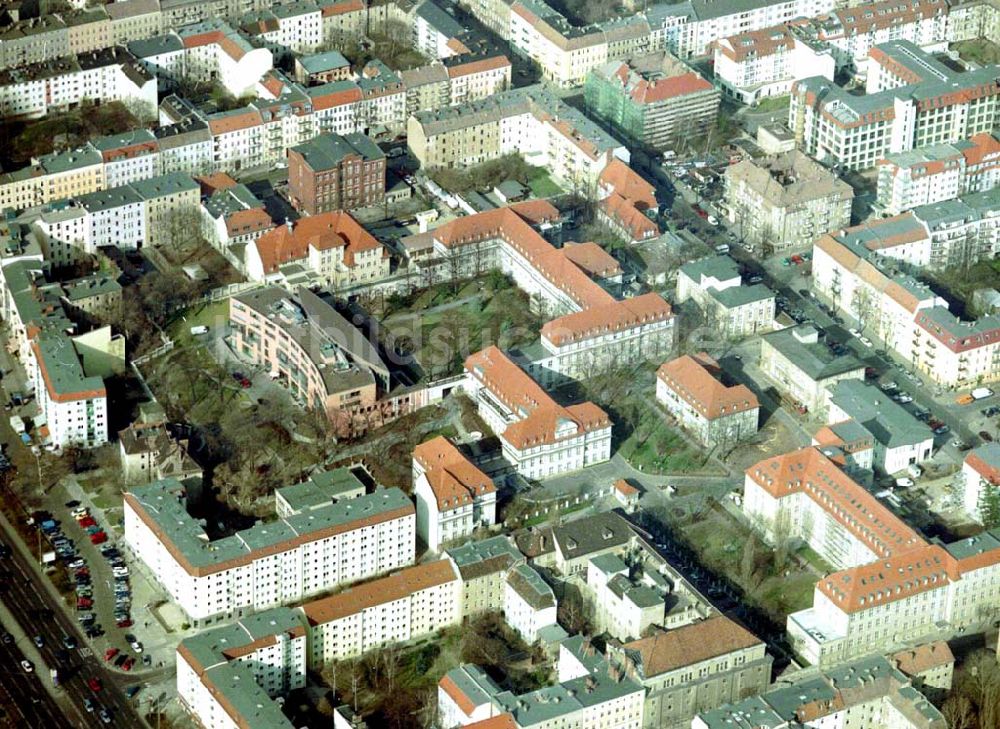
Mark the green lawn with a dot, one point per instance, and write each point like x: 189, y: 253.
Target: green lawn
x: 773, y: 103
x: 818, y: 563
x: 655, y: 448
x: 980, y: 51
x: 209, y: 315
x: 542, y: 185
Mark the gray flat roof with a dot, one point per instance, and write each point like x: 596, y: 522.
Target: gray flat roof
x: 888, y: 422
x: 815, y: 360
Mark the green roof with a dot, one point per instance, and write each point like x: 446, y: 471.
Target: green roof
x: 126, y: 139
x: 69, y: 160
x: 741, y: 295
x: 84, y: 288
x: 813, y: 358
x: 478, y: 557
x: 321, y: 489
x: 329, y: 150
x: 62, y: 368
x: 320, y: 62
x: 972, y: 546
x: 720, y: 267
x: 609, y: 563
x: 164, y: 502
x: 888, y: 422
x: 171, y: 183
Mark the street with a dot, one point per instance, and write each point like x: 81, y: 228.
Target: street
x: 38, y: 612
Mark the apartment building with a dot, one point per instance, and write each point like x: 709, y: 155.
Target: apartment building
x: 323, y: 360
x: 851, y: 441
x: 229, y: 676
x: 453, y: 497
x: 731, y: 309
x: 980, y: 478
x: 46, y: 87
x: 538, y: 437
x: 134, y: 20
x: 804, y: 369
x: 890, y: 588
x: 529, y: 121
x: 929, y: 666
x: 322, y: 68
x: 334, y: 172
x: 623, y: 608
x: 321, y: 489
x: 591, y: 328
x: 483, y: 565
x: 272, y: 563
x: 569, y: 548
x: 286, y: 29
x: 653, y: 99
x: 529, y: 605
x: 148, y: 452
x: 333, y: 247
x: 232, y: 218
x: 34, y: 40
x: 858, y: 271
x: 785, y: 201
x: 627, y: 203
x: 870, y: 691
x: 128, y: 157
x: 691, y: 391
x: 900, y: 440
x: 74, y: 406
x: 53, y: 177
x: 413, y: 603
x: 689, y: 29
x: 756, y: 64
x: 694, y: 668
x: 602, y: 699
x: 912, y: 100
x: 932, y: 174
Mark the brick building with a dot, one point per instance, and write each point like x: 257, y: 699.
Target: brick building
x: 336, y: 172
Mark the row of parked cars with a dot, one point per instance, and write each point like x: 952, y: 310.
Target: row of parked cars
x: 82, y: 578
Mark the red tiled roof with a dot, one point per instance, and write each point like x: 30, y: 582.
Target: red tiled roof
x: 694, y: 380
x: 454, y: 480
x: 291, y: 242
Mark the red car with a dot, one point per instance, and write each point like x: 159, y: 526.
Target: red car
x: 94, y: 684
x: 110, y: 653
x: 126, y: 623
x: 84, y: 603
x: 245, y: 383
x: 99, y: 538
x: 701, y: 213
x: 127, y: 665
x: 88, y: 521
x: 797, y: 260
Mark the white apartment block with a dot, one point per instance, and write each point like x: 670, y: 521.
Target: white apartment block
x: 213, y: 50
x: 690, y: 390
x: 52, y: 177
x: 603, y: 699
x: 730, y: 308
x: 529, y: 604
x: 904, y: 314
x: 413, y: 603
x: 538, y: 437
x: 228, y: 676
x: 483, y: 565
x: 128, y: 157
x: 285, y: 28
x: 932, y: 174
x: 912, y: 100
x: 74, y: 406
x: 453, y: 497
x: 112, y: 74
x: 980, y: 479
x: 269, y: 564
x: 852, y: 32
x: 891, y: 588
x: 134, y: 20
x: 623, y: 610
x: 757, y: 64
x: 900, y: 440
x: 690, y: 28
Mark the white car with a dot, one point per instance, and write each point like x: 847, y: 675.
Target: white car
x: 855, y: 333
x: 865, y: 341
x: 136, y: 646
x: 889, y: 386
x: 26, y: 665
x: 712, y: 220
x: 904, y: 398
x: 904, y: 483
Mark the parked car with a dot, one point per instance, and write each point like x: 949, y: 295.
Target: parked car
x: 942, y: 429
x: 136, y: 646
x: 111, y: 653
x: 985, y: 436
x: 127, y: 665
x: 39, y: 641
x: 88, y: 704
x: 904, y: 482
x: 85, y: 617
x: 105, y: 716
x: 120, y: 660
x: 26, y: 666
x: 94, y: 683
x: 854, y: 332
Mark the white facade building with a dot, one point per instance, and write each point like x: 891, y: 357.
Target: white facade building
x: 269, y: 564
x: 453, y: 496
x: 981, y: 481
x: 529, y: 604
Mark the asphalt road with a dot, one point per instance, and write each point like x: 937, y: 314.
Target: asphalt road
x: 38, y: 613
x: 24, y: 702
